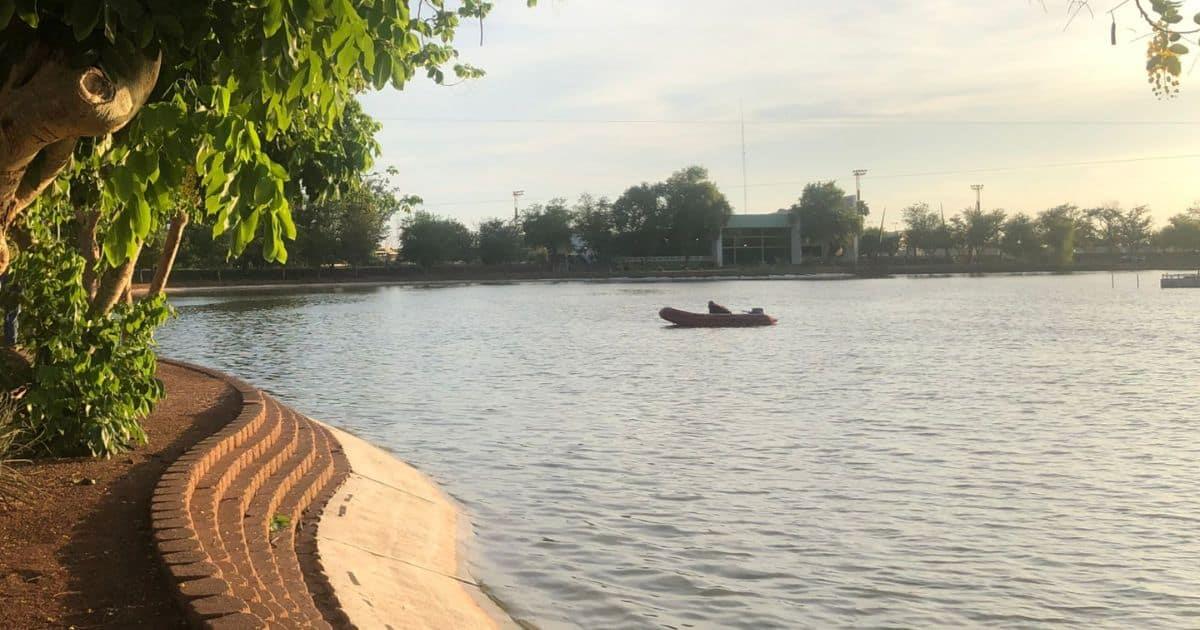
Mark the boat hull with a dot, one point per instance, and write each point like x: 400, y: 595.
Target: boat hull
x: 1180, y: 281
x: 685, y: 319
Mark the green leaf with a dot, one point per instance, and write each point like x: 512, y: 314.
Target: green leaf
x: 122, y: 184
x: 1173, y: 65
x: 7, y: 9
x: 83, y: 16
x: 255, y: 142
x: 264, y: 190
x: 289, y: 227
x: 346, y: 58
x: 274, y: 17
x: 141, y: 218
x: 28, y: 12
x: 1178, y: 49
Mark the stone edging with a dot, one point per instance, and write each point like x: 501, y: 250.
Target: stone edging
x: 234, y: 518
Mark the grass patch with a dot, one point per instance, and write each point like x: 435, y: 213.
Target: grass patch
x: 13, y: 488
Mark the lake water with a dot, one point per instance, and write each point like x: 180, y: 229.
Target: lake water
x: 999, y: 451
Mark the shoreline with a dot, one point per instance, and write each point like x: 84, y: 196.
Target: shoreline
x: 864, y: 273
x: 395, y: 544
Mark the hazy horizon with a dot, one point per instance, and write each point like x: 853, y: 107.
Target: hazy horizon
x: 929, y: 96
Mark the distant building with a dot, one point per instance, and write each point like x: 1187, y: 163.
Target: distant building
x: 770, y: 239
x: 759, y: 239
x: 387, y: 254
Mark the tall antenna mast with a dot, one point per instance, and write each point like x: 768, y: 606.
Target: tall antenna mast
x: 745, y: 186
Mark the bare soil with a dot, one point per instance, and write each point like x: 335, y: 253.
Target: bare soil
x: 79, y: 552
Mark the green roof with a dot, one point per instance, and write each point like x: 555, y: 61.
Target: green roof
x: 759, y: 221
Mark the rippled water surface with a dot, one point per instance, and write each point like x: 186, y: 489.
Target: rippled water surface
x: 919, y: 452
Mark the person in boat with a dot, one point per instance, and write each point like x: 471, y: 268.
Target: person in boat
x: 717, y: 309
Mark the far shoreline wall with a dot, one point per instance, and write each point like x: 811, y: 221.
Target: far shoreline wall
x: 288, y: 280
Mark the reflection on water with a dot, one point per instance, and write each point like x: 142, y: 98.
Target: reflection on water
x: 942, y: 452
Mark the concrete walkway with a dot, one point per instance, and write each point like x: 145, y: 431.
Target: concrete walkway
x: 388, y: 541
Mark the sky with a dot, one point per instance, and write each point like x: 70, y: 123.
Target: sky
x: 930, y: 96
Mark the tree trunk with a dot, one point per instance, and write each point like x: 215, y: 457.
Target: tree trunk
x: 89, y: 248
x: 166, y: 262
x: 113, y: 286
x: 46, y: 105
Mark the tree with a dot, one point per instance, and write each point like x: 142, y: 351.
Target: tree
x: 1182, y: 232
x: 976, y: 230
x: 428, y: 240
x: 1020, y: 238
x: 641, y: 221
x: 1105, y: 226
x: 696, y: 208
x: 500, y: 242
x: 210, y: 83
x: 548, y: 227
x: 1056, y: 229
x: 922, y: 229
x: 593, y: 222
x: 874, y: 242
x: 1136, y: 229
x: 363, y: 218
x: 826, y: 217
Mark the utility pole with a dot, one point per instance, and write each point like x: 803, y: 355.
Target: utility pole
x: 858, y: 175
x: 516, y: 210
x: 978, y: 188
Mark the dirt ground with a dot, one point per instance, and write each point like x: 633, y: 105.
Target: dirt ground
x: 79, y: 552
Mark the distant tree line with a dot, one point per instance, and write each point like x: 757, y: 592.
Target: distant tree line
x: 681, y: 216
x: 677, y: 217
x: 1053, y: 236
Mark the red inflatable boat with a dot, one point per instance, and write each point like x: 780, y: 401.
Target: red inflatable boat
x: 719, y: 320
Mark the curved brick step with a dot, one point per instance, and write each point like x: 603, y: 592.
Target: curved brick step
x: 315, y: 577
x: 294, y: 504
x: 265, y: 507
x: 236, y: 500
x: 216, y: 538
x: 212, y: 513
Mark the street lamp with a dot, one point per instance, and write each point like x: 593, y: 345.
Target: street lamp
x: 858, y: 175
x: 517, y: 194
x: 978, y: 188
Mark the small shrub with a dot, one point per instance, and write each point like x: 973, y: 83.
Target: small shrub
x: 279, y: 522
x: 92, y: 375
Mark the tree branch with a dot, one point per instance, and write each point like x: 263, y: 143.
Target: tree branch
x: 45, y: 106
x: 41, y: 173
x: 166, y: 261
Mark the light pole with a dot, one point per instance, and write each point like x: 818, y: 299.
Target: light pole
x: 978, y: 188
x: 858, y: 175
x: 517, y: 194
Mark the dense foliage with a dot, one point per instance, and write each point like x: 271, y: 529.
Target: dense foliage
x: 234, y: 81
x: 93, y: 374
x: 1053, y: 236
x: 500, y: 242
x: 548, y: 227
x: 428, y: 239
x: 827, y: 216
x: 126, y: 121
